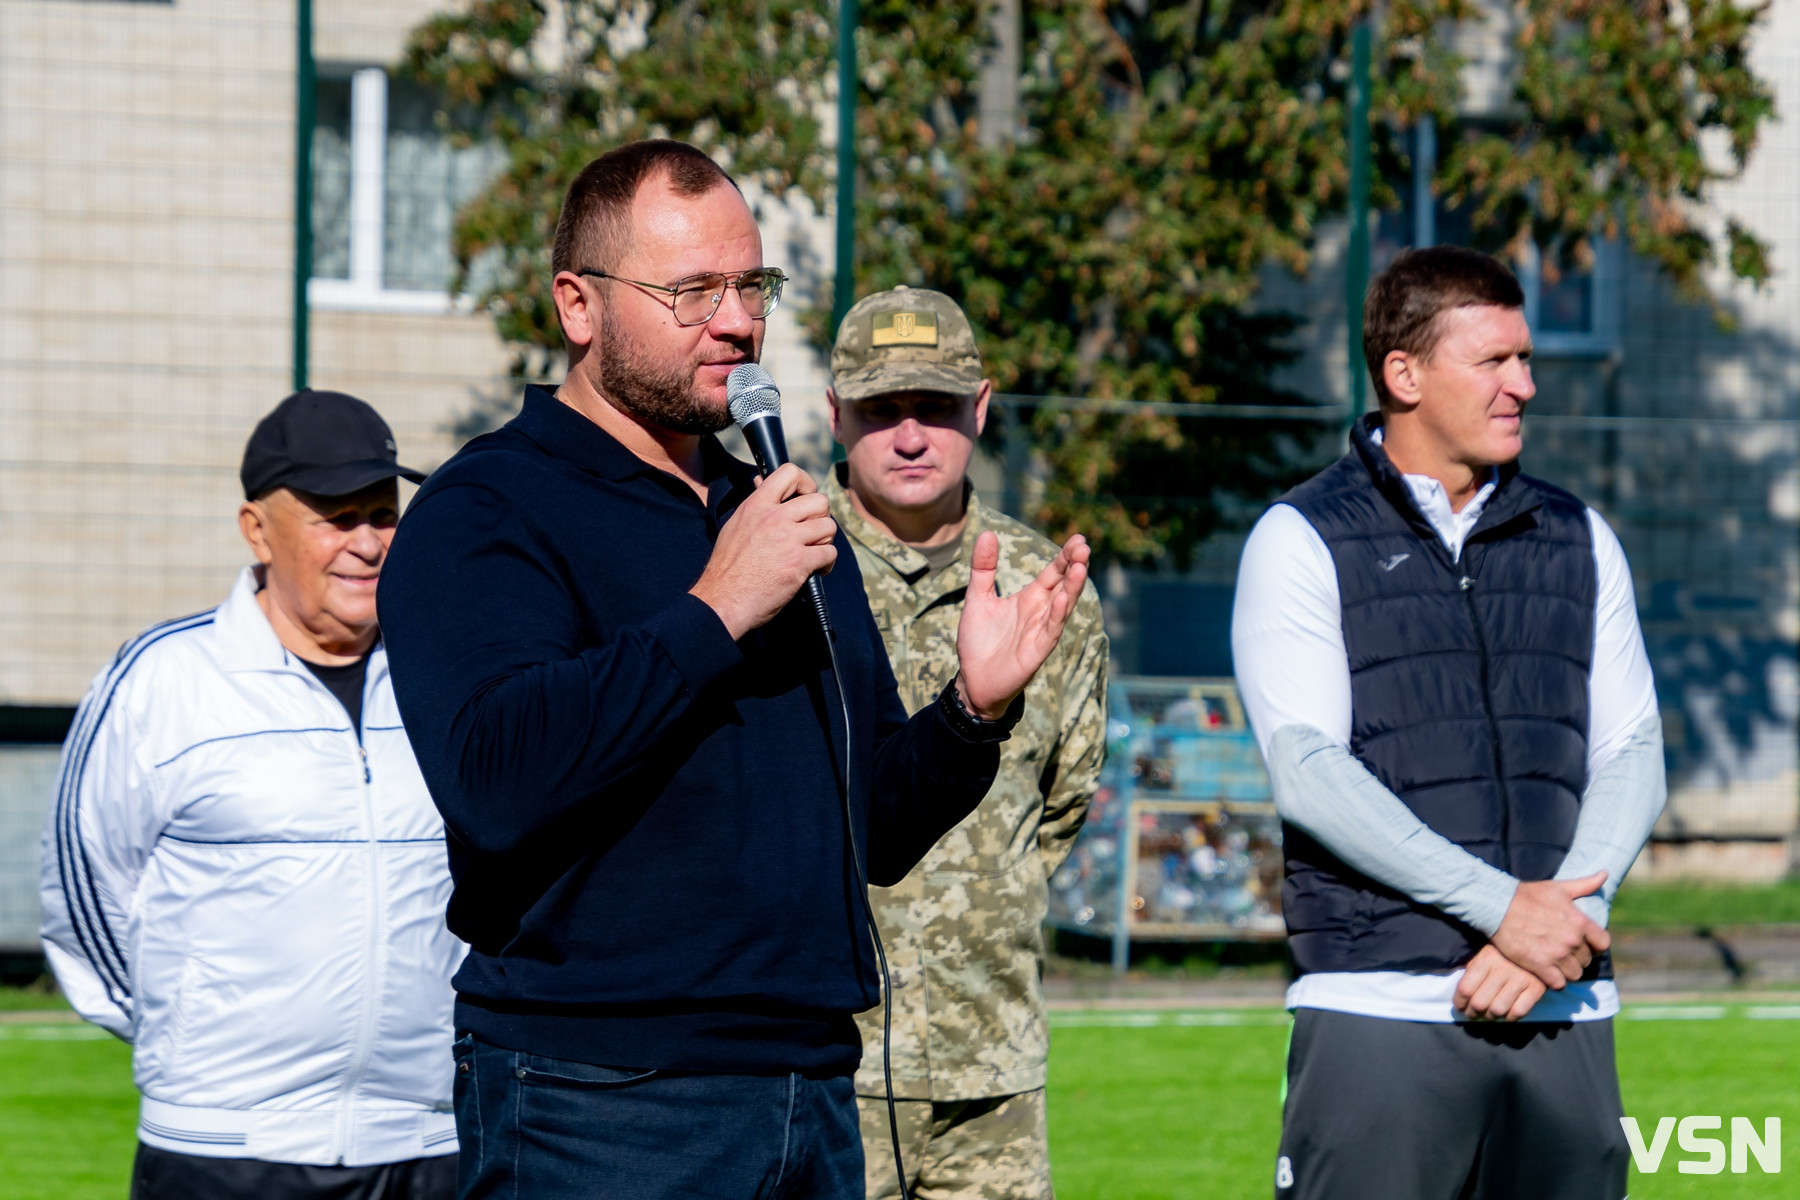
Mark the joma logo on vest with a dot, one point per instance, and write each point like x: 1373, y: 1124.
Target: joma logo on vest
x: 1744, y: 1145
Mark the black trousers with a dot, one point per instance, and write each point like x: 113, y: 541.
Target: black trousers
x: 164, y: 1175
x: 1402, y: 1110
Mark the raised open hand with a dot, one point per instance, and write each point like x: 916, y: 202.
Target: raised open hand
x: 1001, y: 641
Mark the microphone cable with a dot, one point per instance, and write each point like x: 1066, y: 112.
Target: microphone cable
x: 755, y: 405
x: 862, y: 882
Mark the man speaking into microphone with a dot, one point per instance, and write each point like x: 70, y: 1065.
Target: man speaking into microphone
x: 631, y: 727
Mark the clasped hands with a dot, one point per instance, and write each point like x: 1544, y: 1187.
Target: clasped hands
x: 783, y: 533
x: 1543, y: 942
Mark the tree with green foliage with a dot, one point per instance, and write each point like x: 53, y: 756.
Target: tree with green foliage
x: 558, y: 84
x: 1110, y: 245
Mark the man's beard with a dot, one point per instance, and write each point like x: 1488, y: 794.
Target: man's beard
x: 662, y: 395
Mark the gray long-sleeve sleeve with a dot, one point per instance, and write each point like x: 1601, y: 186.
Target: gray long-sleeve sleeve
x: 1321, y: 788
x: 1618, y: 810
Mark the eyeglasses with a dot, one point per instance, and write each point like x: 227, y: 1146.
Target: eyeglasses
x: 695, y: 299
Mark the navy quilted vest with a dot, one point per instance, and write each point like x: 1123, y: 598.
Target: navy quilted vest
x: 1469, y: 693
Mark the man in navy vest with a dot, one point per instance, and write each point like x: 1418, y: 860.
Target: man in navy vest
x: 1441, y: 659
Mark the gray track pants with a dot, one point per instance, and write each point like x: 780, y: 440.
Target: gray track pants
x: 1402, y: 1110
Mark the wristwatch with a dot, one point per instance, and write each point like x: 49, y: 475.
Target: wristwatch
x: 973, y: 728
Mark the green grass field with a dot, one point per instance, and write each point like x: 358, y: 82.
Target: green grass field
x: 1149, y: 1106
x: 1176, y: 1110
x: 1688, y: 905
x: 68, y: 1114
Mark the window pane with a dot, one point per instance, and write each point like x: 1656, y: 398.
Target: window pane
x: 1393, y: 233
x: 1567, y: 307
x: 428, y: 180
x: 1184, y: 628
x: 331, y: 180
x: 1455, y: 225
x: 1399, y: 229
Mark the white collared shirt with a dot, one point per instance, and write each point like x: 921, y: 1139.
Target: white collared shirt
x: 1453, y: 528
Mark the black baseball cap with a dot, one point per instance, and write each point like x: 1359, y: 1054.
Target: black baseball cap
x: 325, y: 443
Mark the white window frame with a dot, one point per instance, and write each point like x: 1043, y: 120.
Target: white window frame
x: 363, y: 290
x: 1603, y: 340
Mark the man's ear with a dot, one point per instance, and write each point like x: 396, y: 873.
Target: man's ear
x: 831, y: 402
x: 575, y: 310
x: 983, y: 394
x: 1400, y: 374
x: 253, y: 523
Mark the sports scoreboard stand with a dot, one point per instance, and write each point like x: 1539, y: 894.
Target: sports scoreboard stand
x: 1182, y: 842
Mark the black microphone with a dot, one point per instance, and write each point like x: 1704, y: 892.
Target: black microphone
x: 755, y: 404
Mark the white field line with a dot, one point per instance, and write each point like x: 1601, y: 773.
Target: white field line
x: 52, y: 1033
x: 1101, y: 1019
x: 1105, y: 1019
x: 1673, y: 1012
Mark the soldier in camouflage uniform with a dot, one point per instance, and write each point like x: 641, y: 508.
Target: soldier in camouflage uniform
x: 964, y: 931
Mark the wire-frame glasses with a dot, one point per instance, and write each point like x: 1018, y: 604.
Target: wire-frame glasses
x: 696, y: 298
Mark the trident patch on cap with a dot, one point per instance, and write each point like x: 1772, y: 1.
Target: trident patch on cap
x: 904, y: 329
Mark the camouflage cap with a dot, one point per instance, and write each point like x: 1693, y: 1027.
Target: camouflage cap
x: 904, y: 339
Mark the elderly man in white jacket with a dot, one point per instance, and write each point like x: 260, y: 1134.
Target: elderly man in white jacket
x: 244, y: 876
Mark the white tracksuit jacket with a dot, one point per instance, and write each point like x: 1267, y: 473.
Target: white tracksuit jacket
x: 254, y: 901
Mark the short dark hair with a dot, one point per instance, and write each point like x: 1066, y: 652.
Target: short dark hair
x: 1404, y: 303
x: 596, y: 209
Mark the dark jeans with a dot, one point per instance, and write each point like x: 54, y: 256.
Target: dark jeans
x: 538, y: 1128
x: 164, y: 1175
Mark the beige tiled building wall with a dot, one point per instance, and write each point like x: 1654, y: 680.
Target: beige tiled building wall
x: 146, y: 258
x: 145, y: 247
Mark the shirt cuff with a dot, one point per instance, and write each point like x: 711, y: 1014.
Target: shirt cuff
x: 971, y: 728
x: 694, y: 638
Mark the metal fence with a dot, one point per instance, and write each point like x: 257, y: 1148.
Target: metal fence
x: 1708, y: 511
x: 123, y: 408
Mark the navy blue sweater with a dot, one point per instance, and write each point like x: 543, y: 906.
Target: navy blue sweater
x: 646, y: 831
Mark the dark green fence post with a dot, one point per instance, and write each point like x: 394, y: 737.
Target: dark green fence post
x: 304, y: 78
x: 844, y: 291
x: 1356, y: 264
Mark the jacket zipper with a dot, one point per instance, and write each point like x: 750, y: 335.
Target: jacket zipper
x: 1487, y: 702
x: 373, y: 972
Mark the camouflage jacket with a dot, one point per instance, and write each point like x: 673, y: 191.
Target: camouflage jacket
x: 964, y: 930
